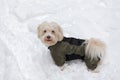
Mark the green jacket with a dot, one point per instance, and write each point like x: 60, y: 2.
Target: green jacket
x: 60, y: 49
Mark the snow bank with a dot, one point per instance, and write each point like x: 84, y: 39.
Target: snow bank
x: 24, y: 57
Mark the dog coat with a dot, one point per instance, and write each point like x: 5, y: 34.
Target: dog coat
x: 70, y: 49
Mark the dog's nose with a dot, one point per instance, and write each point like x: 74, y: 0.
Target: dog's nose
x: 48, y: 37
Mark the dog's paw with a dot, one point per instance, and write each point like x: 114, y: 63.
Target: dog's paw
x: 63, y: 67
x: 94, y: 71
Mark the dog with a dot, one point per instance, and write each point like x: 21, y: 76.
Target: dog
x: 63, y: 49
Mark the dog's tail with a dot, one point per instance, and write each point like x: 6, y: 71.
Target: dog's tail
x: 95, y: 49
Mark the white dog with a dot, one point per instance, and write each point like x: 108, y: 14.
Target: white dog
x: 51, y: 35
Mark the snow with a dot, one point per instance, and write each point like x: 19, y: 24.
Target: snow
x: 24, y: 57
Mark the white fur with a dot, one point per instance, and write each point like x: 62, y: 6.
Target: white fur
x: 95, y: 48
x: 49, y: 27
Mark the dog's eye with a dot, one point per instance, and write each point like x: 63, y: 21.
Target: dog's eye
x: 45, y: 31
x: 53, y: 31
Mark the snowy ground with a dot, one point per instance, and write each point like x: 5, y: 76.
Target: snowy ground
x: 24, y: 57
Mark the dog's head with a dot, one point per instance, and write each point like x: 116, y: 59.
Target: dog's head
x: 50, y: 33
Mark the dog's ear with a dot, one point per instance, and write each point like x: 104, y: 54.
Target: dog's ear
x: 59, y: 31
x: 60, y: 34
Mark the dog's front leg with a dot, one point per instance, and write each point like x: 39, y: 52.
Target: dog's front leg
x: 59, y: 60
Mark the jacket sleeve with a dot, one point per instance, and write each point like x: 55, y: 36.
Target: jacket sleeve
x: 73, y: 49
x: 58, y: 58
